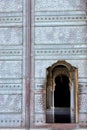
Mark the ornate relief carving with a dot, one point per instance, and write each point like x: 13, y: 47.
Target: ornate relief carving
x: 10, y: 69
x: 11, y: 5
x: 61, y: 35
x: 11, y: 103
x: 45, y: 5
x: 11, y: 36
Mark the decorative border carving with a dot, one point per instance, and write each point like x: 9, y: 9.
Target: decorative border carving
x: 60, y: 18
x: 11, y: 19
x: 63, y: 51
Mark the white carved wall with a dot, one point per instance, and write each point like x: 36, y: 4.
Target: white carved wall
x: 12, y: 63
x: 59, y: 32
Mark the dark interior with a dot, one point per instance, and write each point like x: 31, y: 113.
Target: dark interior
x: 62, y: 99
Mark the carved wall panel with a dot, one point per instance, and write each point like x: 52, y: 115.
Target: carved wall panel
x: 14, y: 71
x: 11, y: 36
x: 60, y: 35
x: 14, y: 5
x: 49, y: 5
x: 11, y: 103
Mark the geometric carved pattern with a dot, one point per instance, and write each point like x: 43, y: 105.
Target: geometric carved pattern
x: 40, y: 103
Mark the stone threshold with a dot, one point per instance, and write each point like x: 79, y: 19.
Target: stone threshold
x: 61, y: 126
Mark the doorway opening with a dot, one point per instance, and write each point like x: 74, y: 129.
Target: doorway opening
x: 62, y: 99
x: 62, y: 93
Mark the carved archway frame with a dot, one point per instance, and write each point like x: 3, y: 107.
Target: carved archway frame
x: 58, y: 68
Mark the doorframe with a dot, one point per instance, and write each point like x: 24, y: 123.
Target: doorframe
x: 62, y: 67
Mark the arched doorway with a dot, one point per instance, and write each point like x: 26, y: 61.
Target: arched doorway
x: 62, y: 99
x: 62, y: 93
